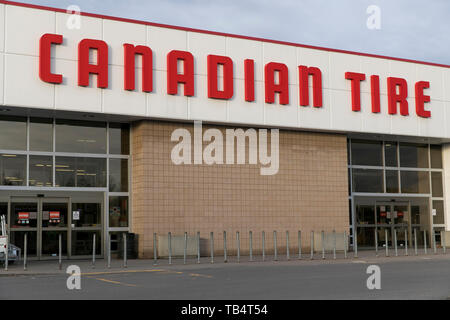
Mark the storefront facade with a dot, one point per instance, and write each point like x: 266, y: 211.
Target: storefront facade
x: 91, y: 108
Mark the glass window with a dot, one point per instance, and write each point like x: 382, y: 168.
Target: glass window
x: 41, y: 171
x: 86, y: 214
x: 80, y: 136
x: 24, y: 214
x: 13, y: 169
x: 82, y: 242
x: 390, y: 154
x: 41, y: 134
x: 392, y: 181
x: 365, y: 214
x: 54, y: 215
x: 118, y: 211
x: 413, y: 155
x: 13, y: 133
x: 80, y: 172
x: 415, y: 181
x: 118, y: 175
x: 119, y: 138
x: 438, y: 212
x: 436, y: 156
x: 367, y: 180
x: 436, y: 184
x: 367, y: 153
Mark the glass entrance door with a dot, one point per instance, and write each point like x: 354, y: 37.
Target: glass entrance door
x: 24, y: 220
x: 54, y: 222
x: 393, y: 220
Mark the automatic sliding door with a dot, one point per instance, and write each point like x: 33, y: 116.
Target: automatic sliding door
x: 54, y: 223
x: 24, y: 220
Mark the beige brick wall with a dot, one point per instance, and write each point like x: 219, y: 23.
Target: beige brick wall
x: 309, y: 192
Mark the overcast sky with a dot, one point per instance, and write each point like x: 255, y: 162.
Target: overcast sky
x: 414, y: 29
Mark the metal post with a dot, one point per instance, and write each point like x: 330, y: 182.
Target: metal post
x: 263, y: 245
x: 108, y: 244
x: 250, y: 234
x: 225, y: 256
x: 323, y: 244
x: 345, y: 244
x: 406, y: 242
x: 287, y: 246
x: 185, y: 248
x: 198, y: 247
x: 355, y: 244
x: 386, y: 243
x: 275, y: 252
x: 443, y: 242
x: 6, y: 254
x: 395, y: 242
x: 60, y: 251
x: 415, y: 241
x: 124, y: 249
x: 299, y: 236
x: 25, y: 251
x: 312, y: 245
x: 433, y: 232
x: 376, y: 242
x: 93, y: 250
x: 425, y: 241
x: 238, y: 243
x: 155, y: 252
x: 334, y: 244
x: 169, y: 239
x: 211, y: 235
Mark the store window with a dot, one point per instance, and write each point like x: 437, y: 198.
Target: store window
x: 118, y: 175
x: 13, y: 169
x: 413, y: 155
x: 118, y: 211
x: 438, y: 212
x: 80, y: 136
x: 392, y: 181
x: 86, y: 215
x: 367, y: 153
x: 367, y: 180
x: 40, y: 171
x: 80, y: 172
x: 41, y: 134
x: 390, y: 154
x: 13, y: 133
x: 436, y: 184
x: 415, y: 182
x: 436, y: 156
x: 119, y: 138
x: 82, y: 242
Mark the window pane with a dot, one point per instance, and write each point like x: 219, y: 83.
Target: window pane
x: 13, y: 133
x: 80, y: 172
x: 24, y: 214
x: 80, y: 136
x: 392, y: 181
x: 118, y: 211
x: 367, y: 180
x: 41, y: 135
x: 390, y: 154
x: 118, y: 175
x: 119, y: 138
x: 438, y: 212
x: 436, y: 156
x: 415, y: 182
x: 413, y: 155
x: 87, y: 214
x: 41, y: 171
x: 367, y: 153
x: 365, y: 214
x: 436, y: 184
x: 82, y: 242
x: 13, y: 169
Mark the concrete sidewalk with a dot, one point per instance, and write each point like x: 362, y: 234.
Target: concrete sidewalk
x: 50, y: 267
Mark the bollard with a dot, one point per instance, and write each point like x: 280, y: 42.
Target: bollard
x: 198, y: 247
x: 275, y: 249
x: 386, y: 243
x: 93, y: 251
x: 225, y: 257
x: 25, y: 251
x: 250, y: 234
x: 155, y: 253
x: 355, y: 245
x: 60, y: 251
x: 287, y: 246
x: 185, y: 248
x: 395, y: 242
x: 263, y: 246
x: 238, y: 244
x: 169, y: 239
x: 299, y: 237
x: 345, y: 244
x: 376, y: 242
x: 443, y: 243
x: 415, y: 241
x: 312, y: 245
x: 334, y: 244
x: 406, y: 242
x: 6, y: 254
x: 434, y: 241
x: 124, y: 250
x: 211, y: 236
x: 323, y: 244
x: 425, y: 241
x: 108, y: 244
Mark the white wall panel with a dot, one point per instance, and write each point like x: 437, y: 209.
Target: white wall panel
x: 315, y: 58
x: 239, y: 50
x: 240, y: 111
x: 2, y: 27
x: 316, y: 118
x: 273, y: 52
x: 162, y: 41
x: 202, y: 45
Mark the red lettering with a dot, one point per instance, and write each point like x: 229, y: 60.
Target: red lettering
x: 187, y: 77
x: 45, y: 48
x: 421, y: 99
x: 355, y: 79
x: 130, y: 52
x: 316, y: 74
x: 400, y: 97
x: 282, y: 87
x: 100, y: 68
x: 227, y: 65
x: 375, y: 93
x: 249, y: 76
